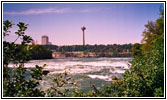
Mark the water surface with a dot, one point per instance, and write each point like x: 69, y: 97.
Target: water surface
x: 99, y: 71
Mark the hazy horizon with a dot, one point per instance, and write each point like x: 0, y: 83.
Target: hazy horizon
x: 106, y: 23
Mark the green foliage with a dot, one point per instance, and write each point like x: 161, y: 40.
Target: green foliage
x: 6, y: 27
x: 136, y: 50
x: 62, y: 82
x: 14, y: 82
x: 146, y: 75
x: 153, y: 31
x: 100, y: 50
x: 18, y: 85
x: 39, y: 52
x: 12, y: 51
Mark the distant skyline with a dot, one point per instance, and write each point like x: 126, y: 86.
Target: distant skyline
x: 106, y: 23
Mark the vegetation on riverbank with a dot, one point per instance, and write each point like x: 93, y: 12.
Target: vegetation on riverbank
x: 112, y: 50
x: 39, y: 52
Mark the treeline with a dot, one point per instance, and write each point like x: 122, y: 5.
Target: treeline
x: 92, y: 48
x: 36, y: 51
x: 40, y: 52
x: 115, y: 50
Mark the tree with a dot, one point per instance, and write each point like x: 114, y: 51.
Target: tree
x: 39, y: 52
x: 14, y: 81
x: 136, y: 50
x: 152, y: 31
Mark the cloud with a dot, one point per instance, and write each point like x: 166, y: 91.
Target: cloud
x: 85, y: 11
x: 52, y: 11
x: 38, y: 11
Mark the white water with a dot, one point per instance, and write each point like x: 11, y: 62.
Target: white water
x: 85, y: 66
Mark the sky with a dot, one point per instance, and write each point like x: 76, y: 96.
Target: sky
x: 106, y: 23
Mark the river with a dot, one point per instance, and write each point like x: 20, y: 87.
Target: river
x: 99, y: 71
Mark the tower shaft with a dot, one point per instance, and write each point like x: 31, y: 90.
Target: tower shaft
x: 83, y: 30
x: 83, y: 37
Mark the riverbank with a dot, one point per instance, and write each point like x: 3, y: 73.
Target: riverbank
x: 89, y: 54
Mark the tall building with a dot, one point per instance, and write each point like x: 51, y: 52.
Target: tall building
x: 45, y: 40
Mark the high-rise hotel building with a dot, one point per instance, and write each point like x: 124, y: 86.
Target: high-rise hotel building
x: 45, y: 40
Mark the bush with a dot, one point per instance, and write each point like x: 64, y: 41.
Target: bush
x: 15, y: 83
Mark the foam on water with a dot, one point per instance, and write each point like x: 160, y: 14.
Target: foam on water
x: 106, y: 78
x: 83, y: 65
